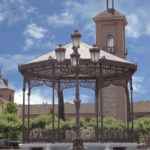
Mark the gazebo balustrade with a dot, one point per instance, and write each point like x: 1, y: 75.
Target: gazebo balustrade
x: 86, y: 71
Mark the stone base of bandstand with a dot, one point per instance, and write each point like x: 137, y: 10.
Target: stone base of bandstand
x: 87, y: 146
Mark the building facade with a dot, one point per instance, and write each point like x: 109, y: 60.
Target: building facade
x: 6, y: 92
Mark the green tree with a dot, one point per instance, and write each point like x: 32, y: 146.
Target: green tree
x: 10, y: 124
x: 112, y: 123
x: 68, y: 124
x: 11, y: 108
x: 43, y: 121
x: 143, y: 125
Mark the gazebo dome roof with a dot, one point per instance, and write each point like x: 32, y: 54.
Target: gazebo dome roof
x: 84, y: 54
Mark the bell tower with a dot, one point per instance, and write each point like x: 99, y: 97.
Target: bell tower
x: 110, y: 37
x: 110, y: 30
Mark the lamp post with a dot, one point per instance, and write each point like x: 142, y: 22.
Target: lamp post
x: 75, y: 62
x: 95, y: 55
x: 75, y: 58
x: 60, y: 53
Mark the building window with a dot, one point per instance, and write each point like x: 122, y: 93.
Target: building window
x: 110, y: 43
x: 10, y: 98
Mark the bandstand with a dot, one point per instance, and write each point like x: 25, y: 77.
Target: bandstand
x: 95, y: 75
x: 78, y: 64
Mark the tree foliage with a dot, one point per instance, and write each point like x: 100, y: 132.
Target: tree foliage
x: 112, y: 123
x: 142, y: 125
x: 41, y: 121
x: 10, y: 124
x: 11, y: 108
x: 45, y: 121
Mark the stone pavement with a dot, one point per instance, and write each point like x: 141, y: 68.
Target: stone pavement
x: 88, y: 146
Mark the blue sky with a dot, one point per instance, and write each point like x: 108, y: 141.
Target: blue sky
x: 29, y: 28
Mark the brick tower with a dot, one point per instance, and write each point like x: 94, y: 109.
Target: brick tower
x: 110, y: 37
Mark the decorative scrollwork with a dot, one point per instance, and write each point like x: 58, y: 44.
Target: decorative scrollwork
x: 65, y: 84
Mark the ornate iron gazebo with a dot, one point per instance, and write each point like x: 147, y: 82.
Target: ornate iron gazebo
x: 96, y: 69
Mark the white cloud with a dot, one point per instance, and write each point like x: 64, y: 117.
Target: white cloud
x: 138, y: 84
x: 10, y: 62
x: 148, y: 28
x: 36, y: 97
x: 138, y: 24
x: 28, y: 43
x: 39, y: 45
x: 77, y: 14
x: 89, y: 31
x: 84, y: 10
x: 63, y: 19
x: 2, y: 17
x: 87, y: 98
x: 83, y: 14
x: 50, y: 44
x: 34, y: 31
x: 86, y: 95
x: 38, y: 37
x: 133, y: 28
x: 12, y: 11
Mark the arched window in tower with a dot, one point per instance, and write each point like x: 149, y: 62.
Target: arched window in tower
x: 110, y: 43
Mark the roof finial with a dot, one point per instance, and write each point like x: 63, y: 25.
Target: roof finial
x: 110, y: 6
x: 107, y: 4
x: 113, y: 4
x: 0, y: 71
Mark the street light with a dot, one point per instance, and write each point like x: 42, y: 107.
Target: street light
x: 95, y: 53
x: 76, y: 36
x: 60, y: 53
x: 75, y: 58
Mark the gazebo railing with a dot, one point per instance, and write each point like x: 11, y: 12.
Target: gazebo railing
x: 119, y: 135
x: 88, y: 135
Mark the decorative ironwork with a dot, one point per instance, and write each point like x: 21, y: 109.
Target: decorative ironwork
x: 68, y: 135
x: 87, y: 70
x: 87, y: 74
x: 65, y: 84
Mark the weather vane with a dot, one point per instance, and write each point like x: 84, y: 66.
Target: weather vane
x: 0, y: 71
x: 112, y: 3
